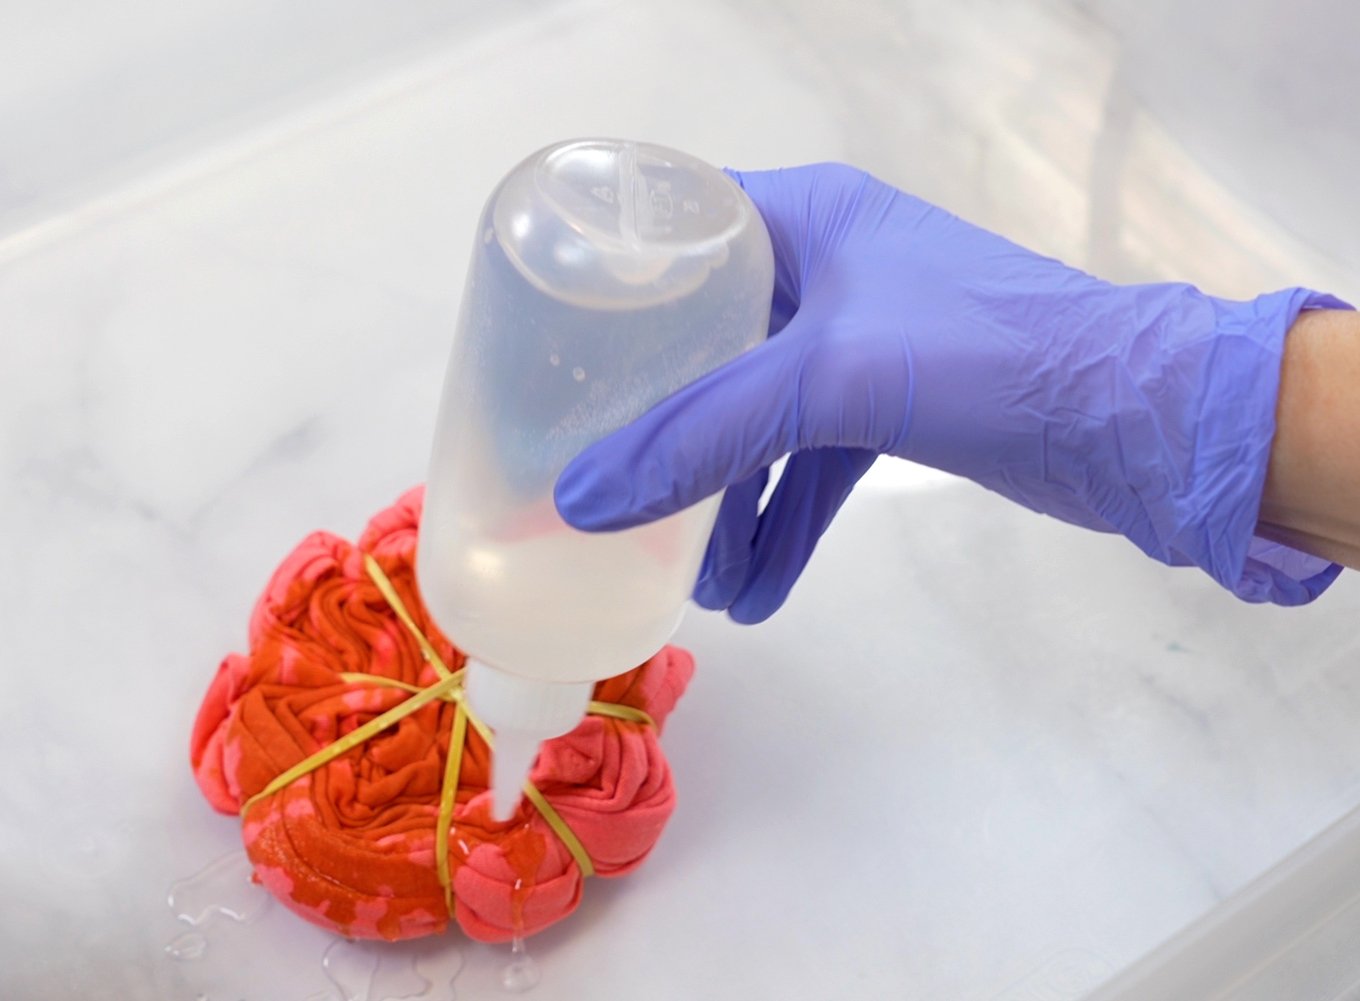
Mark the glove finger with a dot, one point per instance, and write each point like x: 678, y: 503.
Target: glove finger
x: 814, y: 486
x: 783, y: 222
x: 715, y: 432
x: 807, y: 211
x: 729, y: 547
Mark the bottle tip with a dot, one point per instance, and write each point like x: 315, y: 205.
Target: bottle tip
x: 512, y: 759
x: 522, y: 713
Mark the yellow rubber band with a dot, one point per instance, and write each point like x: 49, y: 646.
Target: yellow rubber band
x: 630, y: 714
x: 353, y: 739
x: 385, y: 587
x: 448, y: 794
x: 561, y: 829
x: 554, y: 819
x: 361, y: 678
x: 450, y: 688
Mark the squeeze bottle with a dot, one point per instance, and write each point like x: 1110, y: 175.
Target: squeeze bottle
x: 605, y: 276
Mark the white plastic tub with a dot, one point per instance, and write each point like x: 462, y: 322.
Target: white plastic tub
x: 1073, y: 754
x: 1292, y: 934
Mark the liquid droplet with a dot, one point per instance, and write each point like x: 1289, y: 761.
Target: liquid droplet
x: 488, y: 235
x: 521, y: 973
x: 554, y: 359
x: 223, y: 886
x: 579, y: 374
x: 190, y: 945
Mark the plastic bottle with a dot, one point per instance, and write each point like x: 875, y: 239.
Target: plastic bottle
x: 605, y: 276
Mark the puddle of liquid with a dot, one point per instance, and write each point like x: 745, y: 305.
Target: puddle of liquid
x: 239, y: 948
x: 361, y: 972
x: 190, y: 945
x: 222, y: 887
x: 420, y: 970
x: 521, y: 973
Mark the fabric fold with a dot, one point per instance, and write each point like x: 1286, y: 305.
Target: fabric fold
x: 351, y: 845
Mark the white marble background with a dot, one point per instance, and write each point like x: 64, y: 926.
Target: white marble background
x: 980, y: 755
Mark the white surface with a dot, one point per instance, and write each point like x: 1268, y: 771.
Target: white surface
x: 1290, y: 934
x: 1076, y: 751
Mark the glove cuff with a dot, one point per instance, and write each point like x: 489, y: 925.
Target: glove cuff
x: 1195, y: 500
x: 1224, y: 543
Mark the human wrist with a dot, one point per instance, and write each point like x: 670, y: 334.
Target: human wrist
x: 1195, y: 444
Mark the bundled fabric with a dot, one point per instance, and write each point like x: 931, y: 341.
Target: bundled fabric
x: 341, y: 800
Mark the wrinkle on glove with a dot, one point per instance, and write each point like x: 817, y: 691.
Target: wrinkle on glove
x: 351, y: 846
x: 900, y: 329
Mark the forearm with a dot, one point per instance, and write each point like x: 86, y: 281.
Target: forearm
x: 1312, y: 493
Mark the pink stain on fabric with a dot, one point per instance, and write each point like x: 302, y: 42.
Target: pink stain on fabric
x: 350, y: 846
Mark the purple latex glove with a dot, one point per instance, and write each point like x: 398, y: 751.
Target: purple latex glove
x: 900, y: 329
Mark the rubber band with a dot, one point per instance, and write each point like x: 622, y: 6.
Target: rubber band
x: 629, y: 714
x: 448, y: 794
x: 449, y: 688
x: 385, y: 588
x: 561, y: 828
x: 353, y: 739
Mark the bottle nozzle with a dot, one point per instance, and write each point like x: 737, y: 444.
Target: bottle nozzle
x: 511, y: 762
x: 522, y: 713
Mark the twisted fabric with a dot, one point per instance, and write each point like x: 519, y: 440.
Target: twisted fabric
x: 387, y: 833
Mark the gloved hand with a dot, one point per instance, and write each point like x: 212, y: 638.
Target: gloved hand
x: 900, y: 329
